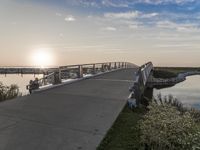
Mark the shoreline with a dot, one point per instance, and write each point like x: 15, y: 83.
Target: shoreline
x: 170, y: 81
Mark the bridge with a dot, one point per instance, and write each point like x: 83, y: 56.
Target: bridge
x: 74, y: 116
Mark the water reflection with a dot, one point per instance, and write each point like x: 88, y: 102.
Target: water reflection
x: 188, y: 92
x: 21, y: 81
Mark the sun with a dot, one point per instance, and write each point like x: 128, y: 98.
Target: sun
x: 42, y: 57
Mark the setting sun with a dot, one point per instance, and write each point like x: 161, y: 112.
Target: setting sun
x: 42, y: 57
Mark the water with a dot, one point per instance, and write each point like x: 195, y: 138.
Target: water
x: 188, y: 92
x: 21, y: 81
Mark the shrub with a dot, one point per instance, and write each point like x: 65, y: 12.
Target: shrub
x: 165, y: 127
x: 8, y: 92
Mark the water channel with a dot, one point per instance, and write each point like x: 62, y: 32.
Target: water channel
x: 187, y: 92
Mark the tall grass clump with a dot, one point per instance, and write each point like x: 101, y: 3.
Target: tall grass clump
x: 8, y: 92
x: 169, y: 126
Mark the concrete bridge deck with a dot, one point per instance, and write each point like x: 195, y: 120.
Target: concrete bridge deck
x: 71, y: 117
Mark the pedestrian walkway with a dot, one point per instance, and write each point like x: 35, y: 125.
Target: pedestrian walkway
x: 70, y: 117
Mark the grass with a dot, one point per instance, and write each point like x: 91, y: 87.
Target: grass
x: 124, y: 134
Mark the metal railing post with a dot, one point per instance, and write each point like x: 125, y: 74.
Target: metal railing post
x: 57, y: 79
x: 110, y: 66
x: 122, y: 64
x: 115, y: 65
x: 93, y: 69
x: 80, y: 71
x: 60, y: 74
x: 102, y: 67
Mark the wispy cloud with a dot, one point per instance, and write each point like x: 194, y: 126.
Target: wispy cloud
x: 126, y: 3
x: 70, y: 18
x: 182, y: 27
x: 124, y: 15
x: 58, y: 14
x: 148, y: 15
x: 133, y: 26
x: 110, y: 29
x: 117, y: 4
x: 130, y: 15
x: 156, y: 2
x: 173, y: 45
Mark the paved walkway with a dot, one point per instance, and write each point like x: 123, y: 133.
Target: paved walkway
x: 71, y: 117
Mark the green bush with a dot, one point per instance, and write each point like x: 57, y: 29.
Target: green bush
x: 8, y: 92
x: 165, y: 127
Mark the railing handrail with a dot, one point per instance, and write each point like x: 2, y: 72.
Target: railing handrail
x: 105, y: 66
x: 93, y: 64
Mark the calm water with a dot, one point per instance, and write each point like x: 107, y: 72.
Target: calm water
x: 188, y: 92
x: 21, y: 81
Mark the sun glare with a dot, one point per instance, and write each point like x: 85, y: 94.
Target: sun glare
x: 42, y: 57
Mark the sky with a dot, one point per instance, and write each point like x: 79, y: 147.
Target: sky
x: 63, y: 32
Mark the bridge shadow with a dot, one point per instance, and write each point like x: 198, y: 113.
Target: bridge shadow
x: 148, y: 94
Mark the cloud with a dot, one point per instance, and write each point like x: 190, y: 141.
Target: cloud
x: 100, y: 3
x: 84, y: 3
x: 124, y: 15
x: 117, y: 4
x: 181, y: 27
x: 70, y: 18
x: 156, y: 2
x: 110, y: 28
x: 13, y: 23
x: 149, y: 15
x: 61, y: 35
x: 125, y: 3
x: 130, y: 15
x: 58, y: 14
x: 173, y: 45
x: 133, y: 26
x: 166, y: 24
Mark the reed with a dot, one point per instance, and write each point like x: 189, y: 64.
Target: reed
x: 9, y: 92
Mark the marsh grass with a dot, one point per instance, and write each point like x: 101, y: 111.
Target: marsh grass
x: 9, y: 92
x: 168, y: 125
x: 163, y: 125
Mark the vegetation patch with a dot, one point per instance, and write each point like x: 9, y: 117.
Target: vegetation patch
x: 164, y: 74
x: 166, y: 128
x: 9, y: 92
x: 171, y: 72
x: 164, y: 125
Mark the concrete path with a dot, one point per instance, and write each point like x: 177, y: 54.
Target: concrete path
x: 71, y: 117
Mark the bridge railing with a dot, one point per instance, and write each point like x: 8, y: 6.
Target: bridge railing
x: 143, y: 73
x: 142, y: 76
x: 71, y: 72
